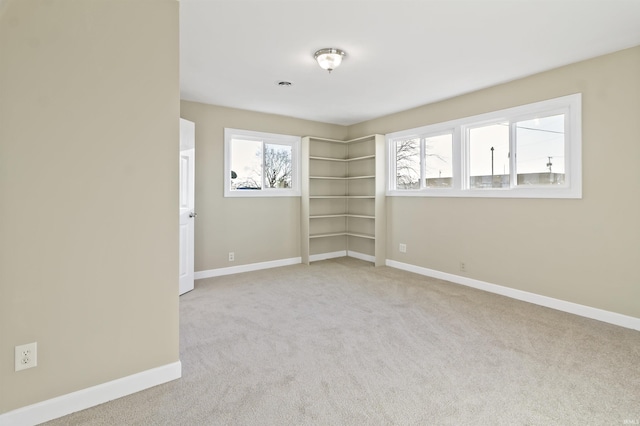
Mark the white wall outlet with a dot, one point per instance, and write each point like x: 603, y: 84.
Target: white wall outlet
x: 26, y: 356
x: 402, y: 248
x: 232, y: 256
x: 463, y: 267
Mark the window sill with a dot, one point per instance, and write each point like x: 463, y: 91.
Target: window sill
x: 253, y: 193
x: 567, y: 193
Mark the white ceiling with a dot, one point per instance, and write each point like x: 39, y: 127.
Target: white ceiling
x: 400, y: 54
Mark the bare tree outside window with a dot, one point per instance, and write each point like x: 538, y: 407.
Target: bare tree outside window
x: 408, y: 163
x: 247, y: 183
x: 268, y: 167
x: 277, y: 166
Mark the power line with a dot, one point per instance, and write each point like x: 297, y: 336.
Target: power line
x: 540, y: 130
x: 533, y: 128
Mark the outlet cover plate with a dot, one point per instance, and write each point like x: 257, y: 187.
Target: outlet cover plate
x: 26, y: 356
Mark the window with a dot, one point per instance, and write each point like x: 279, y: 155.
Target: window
x: 408, y: 163
x: 424, y: 162
x: 261, y: 164
x: 541, y: 145
x: 438, y: 164
x: 531, y: 151
x: 489, y: 156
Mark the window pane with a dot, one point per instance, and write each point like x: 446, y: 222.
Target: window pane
x: 246, y: 164
x: 540, y: 151
x: 489, y: 156
x: 438, y: 165
x: 408, y: 164
x: 277, y: 166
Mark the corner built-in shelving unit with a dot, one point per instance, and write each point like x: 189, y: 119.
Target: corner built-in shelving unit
x: 343, y: 199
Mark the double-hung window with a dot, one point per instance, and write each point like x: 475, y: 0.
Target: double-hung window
x: 261, y: 164
x: 531, y: 151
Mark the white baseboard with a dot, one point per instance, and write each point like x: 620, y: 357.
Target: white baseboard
x: 246, y: 268
x: 341, y: 253
x: 361, y: 256
x: 549, y: 302
x: 90, y: 397
x: 325, y: 256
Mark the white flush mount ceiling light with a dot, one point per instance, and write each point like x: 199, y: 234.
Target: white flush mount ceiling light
x: 329, y: 59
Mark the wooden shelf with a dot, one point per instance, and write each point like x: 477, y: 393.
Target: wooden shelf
x: 342, y: 177
x: 337, y: 141
x: 345, y: 180
x: 341, y: 196
x: 346, y: 160
x: 328, y: 234
x: 367, y: 236
x: 326, y: 216
x: 338, y: 234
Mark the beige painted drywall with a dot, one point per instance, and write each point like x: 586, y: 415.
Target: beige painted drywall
x: 89, y: 107
x: 255, y: 229
x: 584, y: 251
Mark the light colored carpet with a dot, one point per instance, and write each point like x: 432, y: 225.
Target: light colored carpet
x: 343, y: 343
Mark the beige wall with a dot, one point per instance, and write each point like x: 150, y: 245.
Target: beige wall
x: 584, y: 251
x: 255, y: 229
x: 89, y: 107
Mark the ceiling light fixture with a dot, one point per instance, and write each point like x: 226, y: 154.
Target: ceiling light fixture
x: 329, y: 59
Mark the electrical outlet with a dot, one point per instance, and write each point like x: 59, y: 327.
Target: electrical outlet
x: 402, y: 248
x: 463, y: 267
x: 232, y: 256
x: 26, y: 356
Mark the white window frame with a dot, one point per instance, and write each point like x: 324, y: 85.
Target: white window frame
x: 236, y: 136
x: 570, y: 106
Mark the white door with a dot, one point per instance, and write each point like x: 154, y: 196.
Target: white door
x: 187, y: 204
